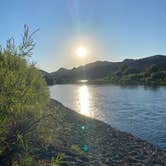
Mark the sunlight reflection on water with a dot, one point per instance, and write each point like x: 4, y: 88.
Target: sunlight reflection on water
x: 84, y: 101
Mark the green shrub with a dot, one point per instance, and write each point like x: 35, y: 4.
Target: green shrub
x: 23, y: 95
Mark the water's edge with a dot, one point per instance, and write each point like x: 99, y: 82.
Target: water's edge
x: 104, y: 145
x: 76, y: 114
x: 134, y: 110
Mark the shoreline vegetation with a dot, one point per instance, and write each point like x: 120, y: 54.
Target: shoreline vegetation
x: 36, y: 130
x: 146, y: 71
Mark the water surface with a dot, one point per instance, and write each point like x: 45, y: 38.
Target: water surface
x: 135, y: 109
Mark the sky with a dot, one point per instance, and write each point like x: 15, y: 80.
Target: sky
x: 111, y: 30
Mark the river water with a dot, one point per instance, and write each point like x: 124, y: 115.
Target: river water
x: 138, y: 110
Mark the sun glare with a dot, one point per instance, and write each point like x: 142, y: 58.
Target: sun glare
x: 81, y: 51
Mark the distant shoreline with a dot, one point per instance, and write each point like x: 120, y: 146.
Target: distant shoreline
x: 145, y: 71
x: 108, y: 83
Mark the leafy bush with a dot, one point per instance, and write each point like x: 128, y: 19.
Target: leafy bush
x: 23, y: 95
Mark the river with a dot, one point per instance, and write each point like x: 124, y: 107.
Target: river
x: 138, y: 110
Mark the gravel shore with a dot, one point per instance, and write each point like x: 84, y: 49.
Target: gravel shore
x: 86, y: 141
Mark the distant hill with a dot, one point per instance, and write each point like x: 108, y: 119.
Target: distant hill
x: 149, y: 70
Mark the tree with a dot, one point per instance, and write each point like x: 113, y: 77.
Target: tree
x: 152, y: 69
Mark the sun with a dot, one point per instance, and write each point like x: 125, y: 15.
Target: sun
x: 81, y: 51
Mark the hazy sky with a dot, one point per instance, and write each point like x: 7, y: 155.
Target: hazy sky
x: 110, y: 29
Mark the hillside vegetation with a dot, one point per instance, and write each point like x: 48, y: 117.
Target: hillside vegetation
x: 145, y: 71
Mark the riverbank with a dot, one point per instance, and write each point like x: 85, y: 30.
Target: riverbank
x: 87, y: 141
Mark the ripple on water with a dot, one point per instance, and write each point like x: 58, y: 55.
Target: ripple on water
x: 138, y: 110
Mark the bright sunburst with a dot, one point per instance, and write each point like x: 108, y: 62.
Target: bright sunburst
x: 81, y: 51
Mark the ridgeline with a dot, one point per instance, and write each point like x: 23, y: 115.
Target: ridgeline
x: 145, y: 71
